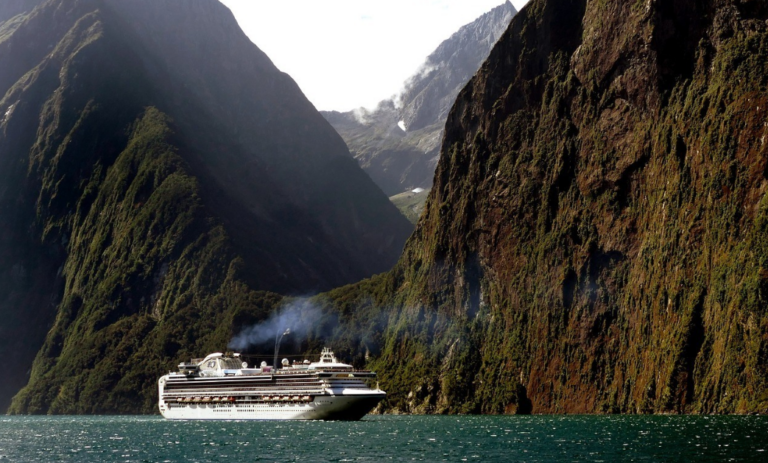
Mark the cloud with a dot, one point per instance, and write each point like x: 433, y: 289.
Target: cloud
x: 361, y: 115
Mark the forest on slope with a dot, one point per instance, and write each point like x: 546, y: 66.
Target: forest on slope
x: 595, y: 240
x: 157, y: 172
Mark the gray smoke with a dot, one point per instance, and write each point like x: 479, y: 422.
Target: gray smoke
x: 300, y: 315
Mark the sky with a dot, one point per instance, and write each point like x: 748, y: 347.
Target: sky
x: 346, y: 54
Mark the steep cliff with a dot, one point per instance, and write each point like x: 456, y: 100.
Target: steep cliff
x: 398, y: 142
x: 595, y: 240
x: 155, y: 170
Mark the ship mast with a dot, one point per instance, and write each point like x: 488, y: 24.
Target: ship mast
x: 278, y: 339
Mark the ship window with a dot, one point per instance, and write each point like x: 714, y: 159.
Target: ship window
x: 232, y: 364
x: 212, y: 364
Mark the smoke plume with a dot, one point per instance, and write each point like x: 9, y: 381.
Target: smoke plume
x: 300, y: 315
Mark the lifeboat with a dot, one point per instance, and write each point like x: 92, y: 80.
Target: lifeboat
x: 216, y: 399
x: 206, y: 400
x: 232, y: 399
x: 295, y: 398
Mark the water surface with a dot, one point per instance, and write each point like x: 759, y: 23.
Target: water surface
x: 388, y: 438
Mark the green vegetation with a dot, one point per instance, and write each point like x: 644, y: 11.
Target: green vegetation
x: 150, y: 278
x: 7, y: 27
x: 411, y: 203
x: 596, y: 247
x: 153, y: 203
x: 595, y: 241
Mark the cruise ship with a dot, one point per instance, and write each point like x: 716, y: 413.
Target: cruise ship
x: 222, y: 387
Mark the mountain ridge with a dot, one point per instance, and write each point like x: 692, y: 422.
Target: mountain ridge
x: 594, y: 240
x: 397, y: 143
x: 140, y: 211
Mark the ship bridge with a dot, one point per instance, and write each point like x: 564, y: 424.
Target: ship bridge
x: 328, y: 362
x: 218, y: 364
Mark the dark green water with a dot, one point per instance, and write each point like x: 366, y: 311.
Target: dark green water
x: 388, y: 438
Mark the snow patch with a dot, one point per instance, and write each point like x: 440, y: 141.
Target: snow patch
x: 8, y: 112
x: 401, y: 124
x: 417, y: 190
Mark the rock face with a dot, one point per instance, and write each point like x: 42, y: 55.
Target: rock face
x: 595, y: 240
x: 398, y: 143
x: 155, y: 170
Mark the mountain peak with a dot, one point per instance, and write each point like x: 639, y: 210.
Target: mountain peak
x: 598, y: 222
x: 155, y: 166
x: 398, y: 142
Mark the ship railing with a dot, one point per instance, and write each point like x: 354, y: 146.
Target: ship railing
x: 218, y: 384
x: 245, y: 394
x: 242, y: 391
x: 359, y: 374
x: 242, y: 387
x: 322, y: 370
x: 337, y: 385
x: 249, y: 388
x: 214, y: 384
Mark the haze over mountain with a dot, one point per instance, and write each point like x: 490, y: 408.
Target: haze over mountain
x: 155, y: 170
x: 596, y: 240
x: 398, y: 142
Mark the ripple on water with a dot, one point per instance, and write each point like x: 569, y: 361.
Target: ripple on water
x: 387, y: 438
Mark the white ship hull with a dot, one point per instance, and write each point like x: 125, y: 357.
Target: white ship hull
x: 216, y: 388
x: 350, y: 407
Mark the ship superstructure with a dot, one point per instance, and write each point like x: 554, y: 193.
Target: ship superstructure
x: 223, y: 387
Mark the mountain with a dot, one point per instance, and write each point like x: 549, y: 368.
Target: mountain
x: 398, y: 143
x: 411, y: 203
x: 595, y: 240
x: 596, y: 237
x: 156, y: 172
